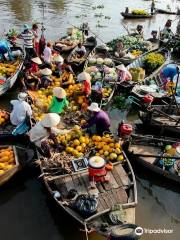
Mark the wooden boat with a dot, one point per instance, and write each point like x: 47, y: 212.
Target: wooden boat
x: 142, y: 88
x: 119, y: 191
x: 164, y: 118
x: 76, y: 62
x: 7, y: 175
x: 169, y: 12
x: 147, y: 151
x: 9, y: 82
x: 133, y: 16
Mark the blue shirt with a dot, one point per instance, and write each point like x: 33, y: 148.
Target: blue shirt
x: 170, y: 71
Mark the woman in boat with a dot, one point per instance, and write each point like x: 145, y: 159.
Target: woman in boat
x: 21, y: 109
x: 100, y: 119
x: 58, y: 61
x: 80, y: 50
x: 67, y: 76
x: 29, y: 76
x: 120, y: 52
x: 167, y: 32
x: 36, y: 38
x: 139, y: 31
x: 44, y: 78
x: 59, y: 101
x: 152, y: 7
x: 154, y: 38
x: 169, y: 73
x: 85, y: 78
x: 43, y: 130
x: 5, y: 49
x: 123, y: 73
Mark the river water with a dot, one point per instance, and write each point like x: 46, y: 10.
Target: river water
x: 25, y: 209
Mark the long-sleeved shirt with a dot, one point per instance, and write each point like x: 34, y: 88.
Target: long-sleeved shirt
x: 101, y: 120
x: 19, y: 112
x: 170, y: 71
x: 38, y: 133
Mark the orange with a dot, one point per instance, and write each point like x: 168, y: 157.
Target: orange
x: 79, y: 148
x: 106, y: 148
x: 76, y: 142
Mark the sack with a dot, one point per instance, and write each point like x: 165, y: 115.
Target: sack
x: 86, y: 205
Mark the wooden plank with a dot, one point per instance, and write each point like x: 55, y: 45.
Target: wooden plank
x: 85, y: 179
x: 100, y: 187
x: 122, y: 174
x: 78, y: 185
x: 82, y: 185
x: 116, y: 177
x: 114, y: 195
x: 112, y: 180
x: 107, y: 199
x: 69, y: 183
x: 121, y: 195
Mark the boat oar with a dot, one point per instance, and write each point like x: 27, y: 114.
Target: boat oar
x: 154, y: 156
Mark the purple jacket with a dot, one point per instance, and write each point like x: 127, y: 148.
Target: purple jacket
x: 102, y: 121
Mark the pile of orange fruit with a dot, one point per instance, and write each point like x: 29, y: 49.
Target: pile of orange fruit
x: 4, y: 117
x: 7, y: 160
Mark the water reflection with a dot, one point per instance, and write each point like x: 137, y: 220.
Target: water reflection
x: 21, y: 9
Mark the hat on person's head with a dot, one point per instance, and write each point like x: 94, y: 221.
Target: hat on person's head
x: 59, y: 92
x: 36, y: 60
x: 121, y: 67
x: 22, y: 96
x: 83, y: 76
x: 59, y: 59
x: 26, y: 27
x: 45, y: 72
x: 94, y: 107
x: 50, y: 120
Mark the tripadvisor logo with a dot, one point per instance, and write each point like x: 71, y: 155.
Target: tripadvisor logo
x: 139, y: 231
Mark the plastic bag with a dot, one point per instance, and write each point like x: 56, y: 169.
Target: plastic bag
x: 86, y: 205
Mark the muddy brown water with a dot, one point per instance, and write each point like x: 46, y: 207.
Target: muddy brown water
x: 26, y: 211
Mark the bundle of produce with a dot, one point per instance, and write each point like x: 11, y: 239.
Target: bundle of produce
x: 8, y: 69
x: 139, y: 12
x: 12, y: 33
x: 41, y: 103
x: 79, y: 144
x: 152, y: 61
x: 7, y: 159
x: 120, y: 102
x: 73, y: 89
x: 4, y: 117
x: 138, y: 74
x: 100, y: 61
x: 94, y: 71
x: 136, y: 53
x: 59, y: 163
x: 106, y: 92
x: 128, y: 41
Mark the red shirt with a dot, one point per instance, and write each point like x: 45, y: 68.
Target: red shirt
x: 87, y: 87
x: 34, y: 68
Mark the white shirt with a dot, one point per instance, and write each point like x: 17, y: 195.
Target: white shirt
x: 47, y: 54
x: 38, y: 133
x: 20, y: 109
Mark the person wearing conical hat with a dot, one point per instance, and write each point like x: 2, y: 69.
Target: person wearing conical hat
x: 59, y: 101
x: 35, y: 62
x: 44, y: 129
x: 20, y: 109
x: 85, y: 78
x: 123, y: 73
x: 45, y: 78
x: 67, y: 76
x: 100, y: 119
x: 58, y: 61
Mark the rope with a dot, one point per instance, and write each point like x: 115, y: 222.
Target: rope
x: 86, y: 231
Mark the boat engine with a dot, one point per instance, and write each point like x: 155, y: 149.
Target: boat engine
x: 124, y: 130
x: 147, y: 100
x: 97, y: 169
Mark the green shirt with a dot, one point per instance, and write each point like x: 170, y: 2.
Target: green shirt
x: 57, y: 107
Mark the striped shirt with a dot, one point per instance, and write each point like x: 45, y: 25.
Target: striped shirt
x: 28, y: 39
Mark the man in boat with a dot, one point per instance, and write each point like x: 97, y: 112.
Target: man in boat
x: 47, y: 55
x: 59, y: 101
x: 123, y: 74
x: 139, y: 31
x: 120, y: 52
x: 169, y: 74
x: 5, y: 50
x: 27, y: 37
x: 36, y: 38
x: 85, y: 78
x: 21, y: 109
x: 154, y: 38
x: 152, y: 7
x: 43, y: 130
x: 80, y: 50
x: 100, y: 119
x: 167, y: 33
